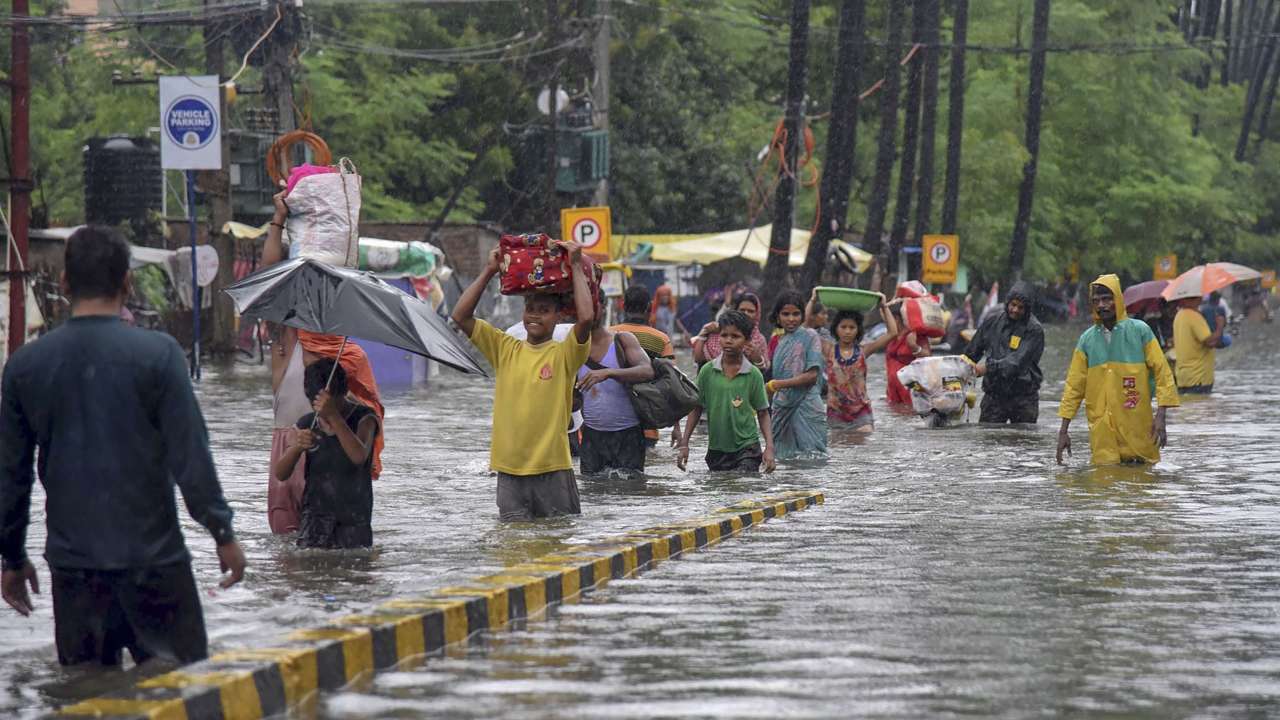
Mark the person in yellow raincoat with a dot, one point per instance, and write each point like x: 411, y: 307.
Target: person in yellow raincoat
x: 1116, y: 368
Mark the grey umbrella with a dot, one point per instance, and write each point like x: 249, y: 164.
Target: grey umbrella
x: 311, y: 295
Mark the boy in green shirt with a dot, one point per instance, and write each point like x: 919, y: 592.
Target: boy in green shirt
x: 733, y: 395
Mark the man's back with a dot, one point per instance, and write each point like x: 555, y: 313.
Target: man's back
x: 655, y: 342
x: 116, y: 423
x: 1195, y: 358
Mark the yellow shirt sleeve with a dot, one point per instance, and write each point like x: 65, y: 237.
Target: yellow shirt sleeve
x: 1073, y: 392
x: 492, y: 343
x: 575, y: 354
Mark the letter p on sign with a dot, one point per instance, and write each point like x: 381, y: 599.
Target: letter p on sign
x: 589, y: 226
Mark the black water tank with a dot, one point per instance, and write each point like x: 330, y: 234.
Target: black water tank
x: 122, y: 179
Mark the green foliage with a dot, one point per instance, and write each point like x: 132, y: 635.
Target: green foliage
x: 697, y: 90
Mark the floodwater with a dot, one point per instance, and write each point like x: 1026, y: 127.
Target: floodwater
x: 950, y: 572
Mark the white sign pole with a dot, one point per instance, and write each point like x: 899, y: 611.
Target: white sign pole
x: 190, y: 140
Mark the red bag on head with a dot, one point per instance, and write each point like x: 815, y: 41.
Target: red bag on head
x: 530, y: 263
x: 923, y: 317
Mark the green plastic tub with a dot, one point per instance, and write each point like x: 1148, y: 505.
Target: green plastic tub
x: 838, y: 298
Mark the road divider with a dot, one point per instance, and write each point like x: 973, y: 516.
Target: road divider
x: 257, y: 683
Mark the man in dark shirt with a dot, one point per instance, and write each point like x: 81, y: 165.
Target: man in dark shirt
x: 1011, y: 341
x: 113, y: 414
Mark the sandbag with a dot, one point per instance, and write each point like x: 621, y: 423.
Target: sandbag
x: 324, y: 216
x: 924, y: 317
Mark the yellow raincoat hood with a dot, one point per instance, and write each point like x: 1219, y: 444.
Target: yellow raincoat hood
x: 1112, y: 283
x: 1116, y: 374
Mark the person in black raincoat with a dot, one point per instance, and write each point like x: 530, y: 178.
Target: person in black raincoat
x: 1012, y: 341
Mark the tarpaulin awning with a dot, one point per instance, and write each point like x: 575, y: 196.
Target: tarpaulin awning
x: 752, y: 244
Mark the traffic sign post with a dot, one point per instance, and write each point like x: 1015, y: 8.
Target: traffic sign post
x: 1166, y: 267
x: 592, y: 227
x: 941, y: 258
x: 190, y: 140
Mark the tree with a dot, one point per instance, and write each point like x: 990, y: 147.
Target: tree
x: 775, y: 269
x: 910, y: 138
x: 841, y: 141
x: 955, y: 119
x: 928, y: 119
x: 887, y: 147
x: 1035, y: 99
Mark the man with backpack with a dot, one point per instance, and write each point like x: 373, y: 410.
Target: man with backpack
x: 612, y: 436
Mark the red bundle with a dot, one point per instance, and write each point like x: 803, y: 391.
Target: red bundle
x: 924, y: 317
x: 533, y: 263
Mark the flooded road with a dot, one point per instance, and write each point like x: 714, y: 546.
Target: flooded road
x: 950, y: 572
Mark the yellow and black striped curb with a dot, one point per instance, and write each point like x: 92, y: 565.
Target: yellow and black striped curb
x: 258, y: 683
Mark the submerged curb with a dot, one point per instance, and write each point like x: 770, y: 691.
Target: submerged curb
x: 257, y: 683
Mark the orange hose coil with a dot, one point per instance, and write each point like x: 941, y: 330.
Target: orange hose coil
x: 278, y: 166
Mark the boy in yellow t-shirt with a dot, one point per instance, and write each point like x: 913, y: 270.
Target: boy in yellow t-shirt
x: 533, y: 397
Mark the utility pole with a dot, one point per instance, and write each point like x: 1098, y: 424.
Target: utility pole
x: 600, y: 92
x: 1035, y: 98
x: 928, y: 125
x: 841, y: 142
x: 910, y: 140
x: 553, y: 124
x: 218, y: 191
x: 20, y: 182
x: 277, y: 70
x: 887, y: 151
x: 775, y: 269
x: 955, y: 121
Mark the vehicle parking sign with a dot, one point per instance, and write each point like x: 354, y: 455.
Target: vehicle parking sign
x: 190, y: 123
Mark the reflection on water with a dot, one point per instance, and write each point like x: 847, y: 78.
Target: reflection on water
x: 951, y: 572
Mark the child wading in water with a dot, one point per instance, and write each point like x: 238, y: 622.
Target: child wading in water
x: 847, y: 401
x: 337, y: 503
x: 533, y: 396
x: 799, y: 413
x: 731, y: 392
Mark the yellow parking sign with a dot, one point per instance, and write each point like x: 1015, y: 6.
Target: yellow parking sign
x: 1166, y: 267
x: 590, y: 226
x: 941, y: 258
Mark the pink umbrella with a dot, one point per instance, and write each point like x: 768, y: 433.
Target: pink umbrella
x: 1204, y: 279
x: 1143, y: 297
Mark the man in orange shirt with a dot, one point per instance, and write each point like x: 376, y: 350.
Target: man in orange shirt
x: 635, y: 314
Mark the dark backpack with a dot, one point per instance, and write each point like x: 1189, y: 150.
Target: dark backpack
x: 662, y: 401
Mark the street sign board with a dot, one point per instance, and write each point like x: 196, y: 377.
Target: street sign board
x: 1166, y: 267
x: 941, y: 258
x: 590, y: 226
x: 190, y: 123
x: 1268, y: 279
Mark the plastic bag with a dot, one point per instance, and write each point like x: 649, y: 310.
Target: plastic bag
x: 324, y: 216
x: 939, y: 384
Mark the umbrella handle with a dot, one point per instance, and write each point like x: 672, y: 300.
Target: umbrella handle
x: 316, y: 417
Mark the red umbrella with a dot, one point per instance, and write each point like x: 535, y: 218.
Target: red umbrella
x: 1144, y: 297
x: 1204, y: 279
